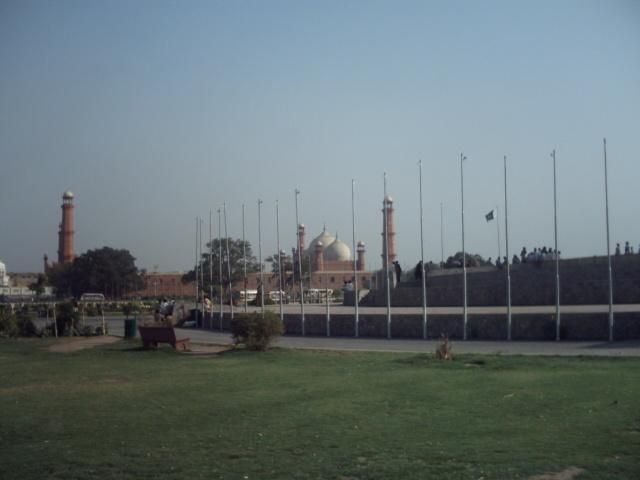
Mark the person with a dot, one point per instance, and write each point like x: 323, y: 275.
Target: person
x: 417, y: 274
x: 523, y: 255
x: 498, y: 263
x: 398, y: 270
x: 515, y: 259
x: 489, y: 261
x: 617, y: 249
x: 626, y: 248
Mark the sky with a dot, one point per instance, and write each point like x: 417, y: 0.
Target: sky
x: 157, y: 112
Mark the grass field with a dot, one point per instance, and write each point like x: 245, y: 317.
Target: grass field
x: 115, y: 412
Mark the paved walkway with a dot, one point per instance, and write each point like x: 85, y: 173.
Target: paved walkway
x: 615, y: 349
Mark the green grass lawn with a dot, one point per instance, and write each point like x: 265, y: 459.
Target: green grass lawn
x: 119, y: 412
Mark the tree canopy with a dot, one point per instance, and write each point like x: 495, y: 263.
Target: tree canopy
x: 105, y: 270
x: 236, y: 262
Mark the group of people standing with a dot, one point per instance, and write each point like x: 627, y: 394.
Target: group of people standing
x: 628, y: 249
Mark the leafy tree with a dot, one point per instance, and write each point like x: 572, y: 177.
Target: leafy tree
x: 106, y: 270
x: 38, y: 285
x: 236, y: 262
x: 473, y: 260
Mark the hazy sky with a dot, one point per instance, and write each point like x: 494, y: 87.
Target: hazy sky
x: 154, y: 113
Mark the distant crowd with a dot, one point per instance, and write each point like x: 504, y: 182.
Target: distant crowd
x: 628, y: 249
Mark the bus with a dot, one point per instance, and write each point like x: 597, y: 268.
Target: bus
x: 92, y: 297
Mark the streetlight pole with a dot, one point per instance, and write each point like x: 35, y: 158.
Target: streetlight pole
x: 297, y: 192
x: 210, y: 272
x: 441, y: 238
x: 464, y: 252
x: 423, y: 274
x: 606, y: 197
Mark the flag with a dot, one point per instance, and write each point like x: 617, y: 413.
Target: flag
x: 491, y: 215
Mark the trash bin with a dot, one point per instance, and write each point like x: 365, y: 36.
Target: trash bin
x: 130, y: 328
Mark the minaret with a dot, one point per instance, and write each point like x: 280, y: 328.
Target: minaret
x: 65, y: 234
x: 360, y: 262
x: 388, y: 230
x: 319, y: 257
x: 301, y: 237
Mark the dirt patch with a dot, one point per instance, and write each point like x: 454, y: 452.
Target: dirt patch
x: 74, y: 344
x: 567, y: 474
x: 207, y: 350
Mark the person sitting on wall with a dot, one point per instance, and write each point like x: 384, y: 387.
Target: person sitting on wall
x: 627, y: 251
x: 515, y: 259
x: 498, y: 263
x: 617, y: 249
x: 523, y: 254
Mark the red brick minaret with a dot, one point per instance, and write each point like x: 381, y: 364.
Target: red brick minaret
x: 301, y: 237
x: 388, y: 230
x: 65, y: 234
x: 319, y: 257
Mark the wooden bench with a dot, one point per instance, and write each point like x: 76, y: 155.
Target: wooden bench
x: 152, y: 336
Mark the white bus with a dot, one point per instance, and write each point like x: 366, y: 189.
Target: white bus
x: 250, y: 294
x: 92, y: 297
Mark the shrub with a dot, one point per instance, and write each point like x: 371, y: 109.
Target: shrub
x: 17, y: 325
x: 8, y: 325
x: 255, y: 331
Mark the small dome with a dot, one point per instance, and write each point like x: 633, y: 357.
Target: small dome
x: 338, y: 251
x: 301, y: 225
x: 319, y: 244
x: 68, y: 195
x: 388, y: 199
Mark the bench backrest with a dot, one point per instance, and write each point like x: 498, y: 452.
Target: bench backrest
x: 158, y: 334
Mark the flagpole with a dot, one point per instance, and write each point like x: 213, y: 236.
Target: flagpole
x: 464, y: 253
x: 210, y: 272
x: 279, y: 260
x: 201, y: 273
x: 423, y: 274
x: 506, y: 236
x: 441, y: 239
x: 220, y: 267
x: 498, y: 230
x: 244, y: 263
x: 196, y: 269
x: 356, y: 298
x: 297, y: 192
x: 260, y: 259
x: 555, y: 232
x: 386, y: 256
x: 606, y: 196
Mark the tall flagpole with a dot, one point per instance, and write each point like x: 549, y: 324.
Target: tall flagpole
x: 196, y: 269
x: 464, y: 253
x: 220, y: 267
x: 356, y: 298
x: 201, y: 272
x: 606, y: 196
x: 386, y: 256
x: 506, y: 237
x: 224, y: 206
x: 297, y: 192
x: 423, y: 274
x: 498, y: 230
x: 260, y: 258
x: 441, y: 238
x: 555, y: 233
x: 210, y: 272
x: 279, y: 261
x: 244, y: 262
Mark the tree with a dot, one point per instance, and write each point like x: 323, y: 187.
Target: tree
x: 38, y: 285
x: 473, y: 260
x: 236, y: 262
x: 106, y: 270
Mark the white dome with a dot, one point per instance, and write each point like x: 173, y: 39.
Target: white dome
x: 325, y: 238
x: 388, y: 199
x: 338, y: 250
x: 68, y: 195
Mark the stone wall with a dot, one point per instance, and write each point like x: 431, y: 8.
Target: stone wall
x: 575, y: 326
x: 583, y: 281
